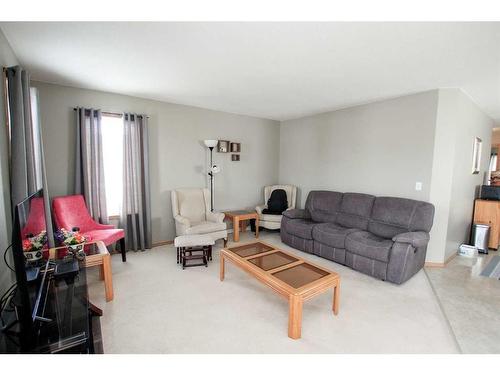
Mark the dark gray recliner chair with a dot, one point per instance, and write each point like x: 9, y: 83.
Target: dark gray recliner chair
x: 384, y: 237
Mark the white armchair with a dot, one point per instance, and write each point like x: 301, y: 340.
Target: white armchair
x: 274, y: 221
x: 192, y: 215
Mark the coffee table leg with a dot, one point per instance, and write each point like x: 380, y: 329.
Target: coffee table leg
x: 336, y: 298
x: 294, y: 316
x: 108, y: 277
x: 236, y: 229
x: 221, y: 267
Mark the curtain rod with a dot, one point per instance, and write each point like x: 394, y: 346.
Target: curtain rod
x: 113, y: 114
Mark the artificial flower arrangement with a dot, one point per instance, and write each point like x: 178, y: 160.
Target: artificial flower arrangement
x: 73, y: 240
x: 35, y: 243
x: 69, y: 238
x: 33, y: 246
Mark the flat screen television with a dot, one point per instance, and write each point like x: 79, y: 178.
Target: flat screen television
x: 29, y: 243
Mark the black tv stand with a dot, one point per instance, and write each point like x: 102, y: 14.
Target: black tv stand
x: 67, y: 322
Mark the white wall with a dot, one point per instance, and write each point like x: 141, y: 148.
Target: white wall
x: 7, y: 58
x: 454, y: 187
x: 471, y: 123
x: 177, y: 155
x: 381, y: 148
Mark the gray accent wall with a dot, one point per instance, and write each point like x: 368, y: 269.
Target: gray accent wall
x: 178, y: 157
x: 7, y: 58
x: 380, y: 148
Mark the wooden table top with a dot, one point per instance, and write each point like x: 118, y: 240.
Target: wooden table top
x: 240, y: 214
x: 284, y: 272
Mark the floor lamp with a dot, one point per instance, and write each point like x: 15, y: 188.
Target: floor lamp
x: 211, y: 143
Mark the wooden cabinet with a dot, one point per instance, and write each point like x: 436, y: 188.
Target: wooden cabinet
x: 488, y: 212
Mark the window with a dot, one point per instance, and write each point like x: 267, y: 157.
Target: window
x: 112, y: 149
x: 37, y: 140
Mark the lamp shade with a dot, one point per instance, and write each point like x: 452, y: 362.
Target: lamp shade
x: 210, y: 142
x: 215, y: 169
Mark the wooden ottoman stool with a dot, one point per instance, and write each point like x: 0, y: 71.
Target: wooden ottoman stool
x: 188, y: 245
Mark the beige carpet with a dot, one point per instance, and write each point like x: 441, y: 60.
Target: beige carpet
x: 160, y: 308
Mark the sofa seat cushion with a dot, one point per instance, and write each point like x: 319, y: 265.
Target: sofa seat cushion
x: 205, y: 227
x: 301, y: 228
x: 268, y: 217
x: 333, y: 235
x: 369, y: 245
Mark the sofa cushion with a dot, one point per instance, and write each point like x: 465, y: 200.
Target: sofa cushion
x: 368, y: 245
x: 301, y: 228
x: 205, y: 227
x: 331, y: 234
x: 323, y: 205
x: 269, y: 217
x: 392, y: 216
x: 355, y: 210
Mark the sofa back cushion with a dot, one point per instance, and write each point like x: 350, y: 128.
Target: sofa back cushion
x: 391, y: 216
x: 191, y: 203
x: 323, y: 205
x: 355, y: 210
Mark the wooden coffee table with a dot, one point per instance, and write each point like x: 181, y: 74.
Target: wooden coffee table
x: 287, y: 274
x: 241, y: 216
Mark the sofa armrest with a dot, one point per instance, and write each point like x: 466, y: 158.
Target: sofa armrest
x: 215, y: 217
x: 260, y: 208
x: 297, y: 214
x: 416, y: 239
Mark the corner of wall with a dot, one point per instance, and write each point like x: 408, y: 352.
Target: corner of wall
x: 442, y: 173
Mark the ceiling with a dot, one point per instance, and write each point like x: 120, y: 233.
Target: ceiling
x: 271, y: 70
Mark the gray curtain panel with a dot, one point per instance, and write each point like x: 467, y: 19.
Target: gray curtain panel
x: 135, y: 217
x: 27, y: 162
x: 23, y: 159
x: 89, y: 168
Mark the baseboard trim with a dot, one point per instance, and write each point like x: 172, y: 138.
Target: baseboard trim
x: 440, y: 265
x: 162, y: 243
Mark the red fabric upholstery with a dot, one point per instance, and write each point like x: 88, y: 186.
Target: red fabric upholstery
x: 108, y: 236
x: 36, y: 218
x: 70, y: 211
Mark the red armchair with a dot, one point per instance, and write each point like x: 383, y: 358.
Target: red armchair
x: 70, y: 212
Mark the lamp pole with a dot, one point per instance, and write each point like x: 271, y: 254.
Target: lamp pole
x: 210, y: 173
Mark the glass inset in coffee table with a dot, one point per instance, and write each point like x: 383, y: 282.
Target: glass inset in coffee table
x: 287, y: 274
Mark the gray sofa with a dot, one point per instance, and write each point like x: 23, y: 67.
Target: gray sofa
x: 384, y: 237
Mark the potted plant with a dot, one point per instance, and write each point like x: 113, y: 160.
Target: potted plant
x: 73, y: 240
x: 33, y: 246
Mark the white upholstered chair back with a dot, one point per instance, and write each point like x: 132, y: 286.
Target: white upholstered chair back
x: 192, y: 204
x: 291, y: 193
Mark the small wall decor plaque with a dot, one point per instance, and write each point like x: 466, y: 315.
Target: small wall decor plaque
x: 235, y: 147
x: 223, y: 146
x: 235, y: 157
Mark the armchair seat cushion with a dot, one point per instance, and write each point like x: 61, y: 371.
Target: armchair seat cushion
x: 301, y: 228
x: 269, y: 217
x: 369, y: 246
x: 205, y: 227
x: 107, y: 236
x: 331, y: 234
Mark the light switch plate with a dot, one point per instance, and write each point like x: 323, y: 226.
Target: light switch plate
x: 418, y: 186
